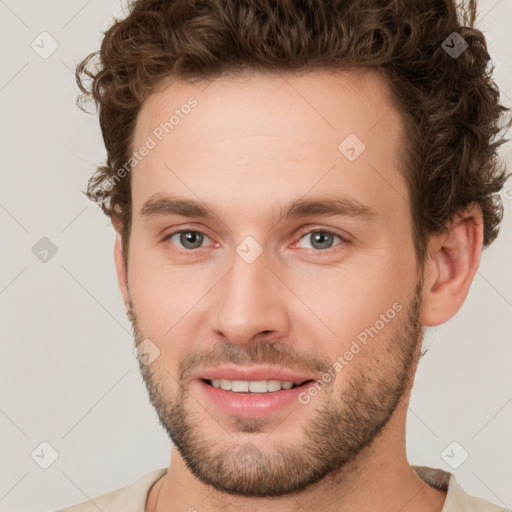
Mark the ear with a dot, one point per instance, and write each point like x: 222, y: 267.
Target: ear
x: 122, y: 274
x: 452, y: 262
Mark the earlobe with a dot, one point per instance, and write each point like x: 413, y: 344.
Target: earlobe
x: 449, y: 271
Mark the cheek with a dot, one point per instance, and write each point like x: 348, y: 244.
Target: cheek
x: 353, y: 303
x: 170, y: 300
x: 154, y: 292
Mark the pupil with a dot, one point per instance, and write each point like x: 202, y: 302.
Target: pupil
x: 321, y: 237
x: 188, y: 237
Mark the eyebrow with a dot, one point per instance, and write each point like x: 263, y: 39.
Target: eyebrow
x: 158, y: 206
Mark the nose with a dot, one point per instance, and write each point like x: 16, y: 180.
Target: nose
x: 251, y: 301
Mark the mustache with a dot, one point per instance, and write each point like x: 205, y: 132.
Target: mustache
x: 266, y: 352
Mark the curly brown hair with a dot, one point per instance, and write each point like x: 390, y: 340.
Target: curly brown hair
x: 448, y: 103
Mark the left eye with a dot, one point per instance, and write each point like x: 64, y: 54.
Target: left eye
x: 320, y: 239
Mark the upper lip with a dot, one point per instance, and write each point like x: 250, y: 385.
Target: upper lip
x: 253, y: 374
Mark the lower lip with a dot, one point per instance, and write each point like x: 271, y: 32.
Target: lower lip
x: 252, y: 405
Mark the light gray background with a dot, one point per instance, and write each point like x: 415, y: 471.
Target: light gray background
x: 68, y: 375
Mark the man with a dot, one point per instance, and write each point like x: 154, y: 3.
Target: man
x: 298, y: 190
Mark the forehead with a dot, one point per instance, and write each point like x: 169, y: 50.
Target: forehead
x: 265, y: 135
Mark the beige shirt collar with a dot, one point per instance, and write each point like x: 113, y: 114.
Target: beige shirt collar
x: 132, y: 498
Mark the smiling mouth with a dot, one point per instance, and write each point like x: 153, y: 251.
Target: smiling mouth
x: 254, y: 386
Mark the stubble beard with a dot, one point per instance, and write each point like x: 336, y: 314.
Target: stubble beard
x: 343, y: 427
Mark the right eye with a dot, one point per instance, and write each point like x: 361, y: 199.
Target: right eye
x: 189, y: 239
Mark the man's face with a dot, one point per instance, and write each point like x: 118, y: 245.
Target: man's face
x: 252, y: 288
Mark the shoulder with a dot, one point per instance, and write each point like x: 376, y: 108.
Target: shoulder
x: 461, y: 500
x: 457, y: 499
x: 131, y: 498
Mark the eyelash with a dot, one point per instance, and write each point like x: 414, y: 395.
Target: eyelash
x: 190, y: 252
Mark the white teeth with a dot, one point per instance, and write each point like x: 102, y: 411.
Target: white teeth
x: 274, y: 385
x: 240, y: 386
x: 225, y: 384
x: 251, y: 386
x: 258, y: 386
